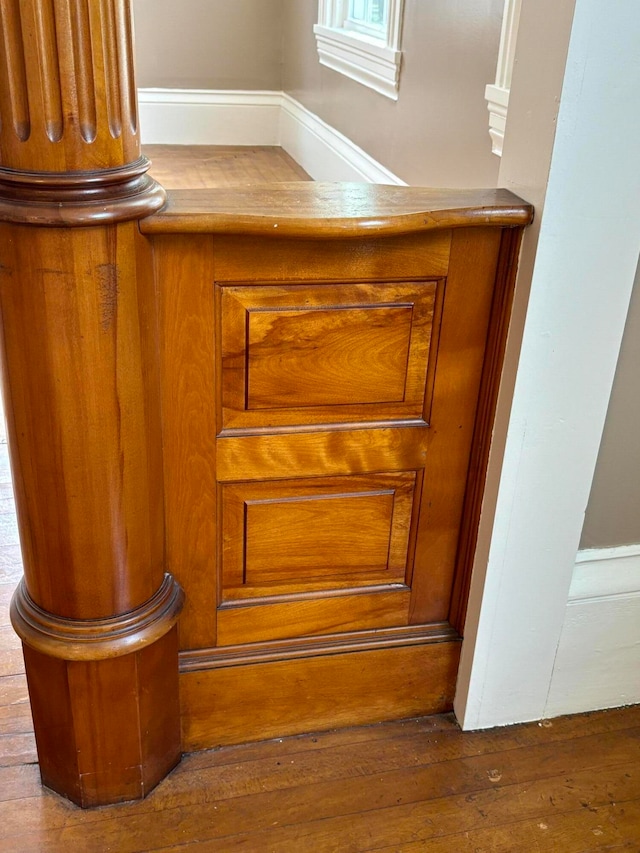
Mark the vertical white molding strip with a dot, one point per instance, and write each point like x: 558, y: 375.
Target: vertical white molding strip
x: 497, y: 94
x: 581, y: 284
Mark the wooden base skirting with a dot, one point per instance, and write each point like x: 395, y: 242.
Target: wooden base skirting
x: 290, y: 697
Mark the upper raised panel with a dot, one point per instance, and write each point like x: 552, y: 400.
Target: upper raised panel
x: 331, y: 356
x: 329, y: 353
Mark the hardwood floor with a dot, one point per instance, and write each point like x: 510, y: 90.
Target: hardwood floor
x: 191, y: 167
x: 569, y: 785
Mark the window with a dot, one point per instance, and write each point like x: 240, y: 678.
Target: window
x: 361, y: 39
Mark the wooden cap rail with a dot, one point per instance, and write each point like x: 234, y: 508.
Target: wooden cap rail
x: 329, y: 211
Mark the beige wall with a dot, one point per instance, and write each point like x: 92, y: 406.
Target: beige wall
x: 437, y: 132
x: 208, y: 44
x: 613, y: 512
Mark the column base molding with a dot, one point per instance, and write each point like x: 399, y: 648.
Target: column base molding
x: 96, y: 639
x: 104, y: 696
x: 80, y: 198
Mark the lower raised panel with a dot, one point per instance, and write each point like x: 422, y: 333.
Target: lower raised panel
x: 258, y: 701
x: 300, y: 535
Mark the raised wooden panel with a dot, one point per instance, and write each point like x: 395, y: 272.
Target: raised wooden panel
x: 293, y: 536
x: 324, y: 353
x: 327, y: 356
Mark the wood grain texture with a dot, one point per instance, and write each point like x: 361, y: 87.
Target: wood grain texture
x: 405, y: 256
x: 306, y: 616
x: 67, y: 88
x: 321, y: 453
x: 86, y: 751
x: 411, y: 786
x: 184, y: 286
x: 304, y: 356
x: 324, y: 352
x: 69, y: 141
x: 293, y: 335
x: 483, y: 431
x: 83, y: 417
x: 183, y: 167
x: 279, y: 534
x: 96, y: 639
x: 333, y: 210
x: 312, y: 694
x: 461, y: 348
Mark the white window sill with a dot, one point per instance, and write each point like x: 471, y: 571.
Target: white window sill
x: 360, y: 58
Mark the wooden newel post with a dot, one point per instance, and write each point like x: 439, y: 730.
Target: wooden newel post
x: 96, y: 612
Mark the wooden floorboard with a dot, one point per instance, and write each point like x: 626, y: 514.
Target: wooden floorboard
x: 207, y: 166
x: 570, y: 785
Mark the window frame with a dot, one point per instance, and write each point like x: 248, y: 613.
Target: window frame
x: 371, y: 60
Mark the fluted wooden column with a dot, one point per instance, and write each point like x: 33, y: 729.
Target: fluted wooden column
x: 96, y: 611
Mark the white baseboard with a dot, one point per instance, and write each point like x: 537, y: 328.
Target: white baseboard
x: 209, y: 117
x: 212, y: 117
x: 598, y: 658
x: 325, y: 153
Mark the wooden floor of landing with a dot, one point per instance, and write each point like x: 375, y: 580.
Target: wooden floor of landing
x: 190, y: 167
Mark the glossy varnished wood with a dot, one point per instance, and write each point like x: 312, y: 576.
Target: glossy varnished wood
x: 80, y: 381
x: 184, y: 277
x: 67, y: 86
x: 324, y: 353
x: 333, y: 210
x: 342, y: 377
x: 315, y: 693
x: 569, y: 785
x: 81, y: 388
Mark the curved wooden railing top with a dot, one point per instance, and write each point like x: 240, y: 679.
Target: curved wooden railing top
x: 333, y: 210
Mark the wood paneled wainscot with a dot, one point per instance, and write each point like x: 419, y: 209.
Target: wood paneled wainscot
x: 330, y: 356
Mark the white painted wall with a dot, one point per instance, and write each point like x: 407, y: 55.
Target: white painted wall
x: 579, y: 266
x: 598, y: 660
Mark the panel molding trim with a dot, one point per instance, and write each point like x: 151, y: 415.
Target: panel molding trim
x: 242, y: 117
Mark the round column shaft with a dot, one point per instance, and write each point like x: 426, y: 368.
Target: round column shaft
x: 96, y: 611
